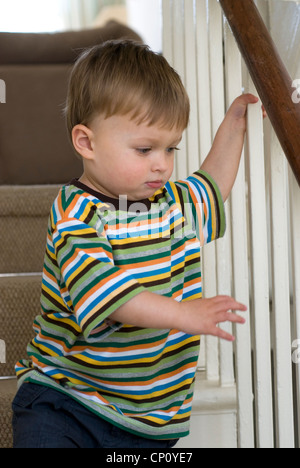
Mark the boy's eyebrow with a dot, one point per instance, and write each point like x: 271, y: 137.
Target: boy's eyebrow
x: 175, y: 143
x: 178, y: 141
x: 153, y: 141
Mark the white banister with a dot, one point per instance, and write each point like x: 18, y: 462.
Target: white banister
x: 258, y: 261
x: 210, y: 252
x: 191, y: 81
x: 260, y: 305
x: 240, y: 270
x: 223, y: 246
x: 295, y: 256
x: 295, y: 268
x: 281, y: 294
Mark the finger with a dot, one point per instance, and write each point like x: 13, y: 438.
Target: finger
x: 237, y: 306
x: 240, y: 307
x: 223, y: 335
x: 250, y: 98
x: 229, y: 303
x: 230, y: 317
x: 234, y: 318
x: 265, y: 114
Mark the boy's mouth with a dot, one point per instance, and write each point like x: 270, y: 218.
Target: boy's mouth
x: 155, y: 184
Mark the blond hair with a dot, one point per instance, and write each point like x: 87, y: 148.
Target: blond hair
x: 124, y: 77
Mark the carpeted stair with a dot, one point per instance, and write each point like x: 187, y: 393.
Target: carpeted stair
x: 24, y: 213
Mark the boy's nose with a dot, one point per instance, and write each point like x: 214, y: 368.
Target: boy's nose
x: 160, y: 163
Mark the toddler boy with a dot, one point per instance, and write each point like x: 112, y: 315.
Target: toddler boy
x: 114, y: 358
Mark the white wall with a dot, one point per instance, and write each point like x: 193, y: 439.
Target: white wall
x: 285, y: 30
x: 144, y: 16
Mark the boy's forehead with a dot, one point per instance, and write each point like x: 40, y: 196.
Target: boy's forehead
x: 139, y: 127
x: 144, y: 117
x: 156, y: 132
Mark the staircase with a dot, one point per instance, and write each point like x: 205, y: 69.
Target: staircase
x: 24, y: 212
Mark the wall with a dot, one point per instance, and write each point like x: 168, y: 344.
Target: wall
x: 144, y: 16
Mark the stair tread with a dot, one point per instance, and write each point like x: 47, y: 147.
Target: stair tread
x: 8, y: 390
x: 35, y: 200
x: 19, y: 305
x: 24, y: 214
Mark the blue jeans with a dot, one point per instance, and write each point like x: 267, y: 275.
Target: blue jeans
x: 45, y: 418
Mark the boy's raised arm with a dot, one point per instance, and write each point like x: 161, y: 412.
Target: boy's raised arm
x: 202, y: 316
x: 223, y: 161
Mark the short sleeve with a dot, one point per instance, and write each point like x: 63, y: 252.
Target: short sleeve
x: 201, y: 203
x: 96, y: 287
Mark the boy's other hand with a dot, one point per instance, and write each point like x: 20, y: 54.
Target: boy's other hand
x: 202, y: 316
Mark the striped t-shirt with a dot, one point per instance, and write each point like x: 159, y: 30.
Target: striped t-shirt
x: 100, y: 254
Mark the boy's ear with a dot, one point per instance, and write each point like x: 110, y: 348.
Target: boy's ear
x: 82, y: 141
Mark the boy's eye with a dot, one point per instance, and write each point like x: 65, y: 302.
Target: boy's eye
x: 172, y: 150
x: 143, y: 150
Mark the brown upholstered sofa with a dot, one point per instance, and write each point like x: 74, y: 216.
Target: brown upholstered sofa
x: 34, y: 147
x: 35, y: 158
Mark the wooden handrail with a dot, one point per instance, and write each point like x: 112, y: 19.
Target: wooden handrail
x: 269, y: 74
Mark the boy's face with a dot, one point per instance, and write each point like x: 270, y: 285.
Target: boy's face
x: 129, y: 159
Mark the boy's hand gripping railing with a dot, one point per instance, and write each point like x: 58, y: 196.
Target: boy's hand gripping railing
x: 269, y: 75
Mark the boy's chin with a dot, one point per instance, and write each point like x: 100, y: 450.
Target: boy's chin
x: 141, y: 195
